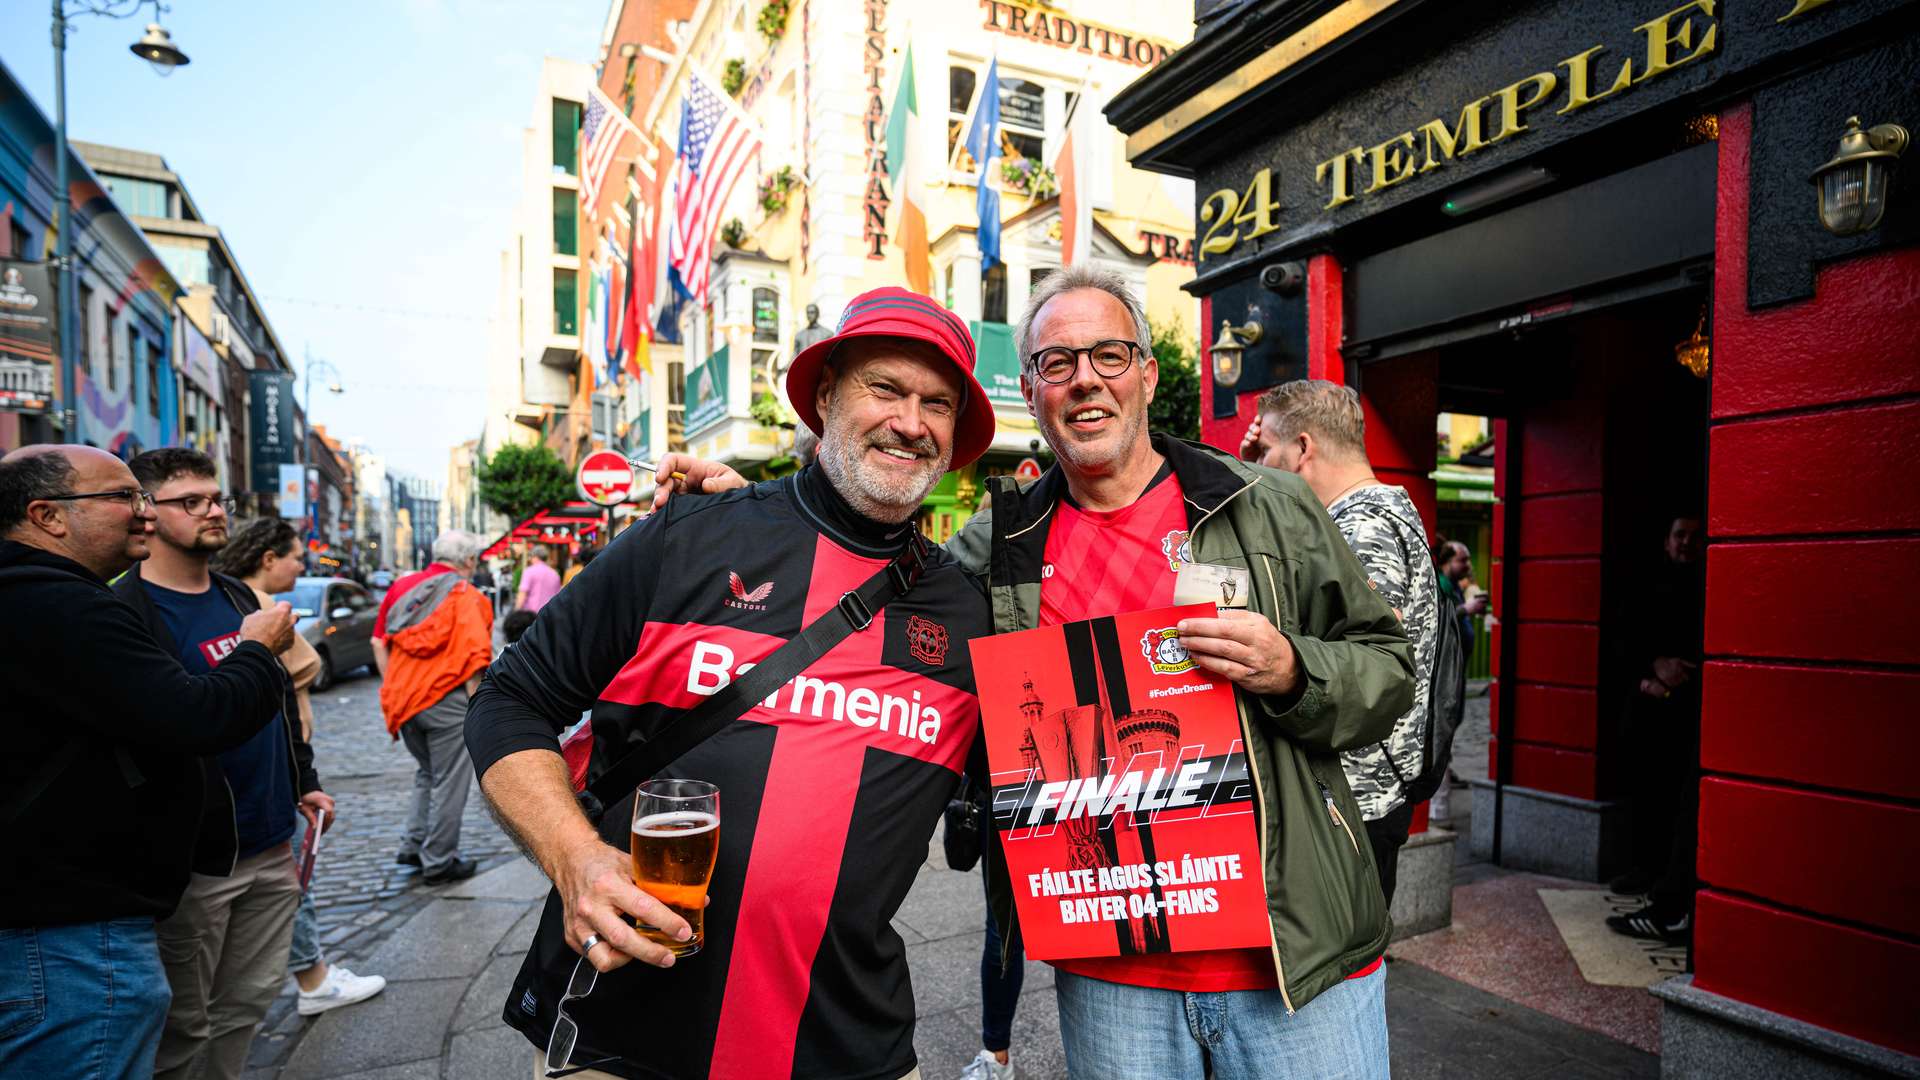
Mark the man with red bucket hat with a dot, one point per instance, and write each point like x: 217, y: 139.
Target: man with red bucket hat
x: 833, y: 762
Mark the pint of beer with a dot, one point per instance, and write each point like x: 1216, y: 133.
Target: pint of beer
x: 676, y: 837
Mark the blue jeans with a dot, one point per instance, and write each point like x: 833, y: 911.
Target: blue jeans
x: 1116, y: 1032
x: 85, y: 1001
x: 305, y: 951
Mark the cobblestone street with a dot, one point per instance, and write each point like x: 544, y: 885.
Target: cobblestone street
x: 361, y: 894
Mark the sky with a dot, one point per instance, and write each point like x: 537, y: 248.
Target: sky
x: 362, y: 158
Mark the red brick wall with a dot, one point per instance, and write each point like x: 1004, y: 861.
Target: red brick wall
x: 1809, y: 835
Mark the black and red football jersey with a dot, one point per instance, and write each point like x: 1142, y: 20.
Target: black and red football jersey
x: 829, y: 789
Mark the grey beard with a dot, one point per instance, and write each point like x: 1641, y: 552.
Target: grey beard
x: 839, y: 460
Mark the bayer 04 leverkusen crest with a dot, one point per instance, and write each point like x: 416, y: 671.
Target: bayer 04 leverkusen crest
x: 1120, y: 789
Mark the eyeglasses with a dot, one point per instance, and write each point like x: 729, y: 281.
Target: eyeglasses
x: 565, y: 1031
x: 136, y: 499
x: 198, y: 505
x: 1059, y: 364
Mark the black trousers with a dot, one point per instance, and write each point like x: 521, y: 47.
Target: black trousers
x: 1664, y: 735
x: 1387, y: 835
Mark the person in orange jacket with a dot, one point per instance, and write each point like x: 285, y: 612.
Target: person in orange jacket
x: 431, y: 641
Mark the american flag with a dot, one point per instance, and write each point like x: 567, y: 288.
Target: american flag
x: 604, y: 130
x: 716, y: 142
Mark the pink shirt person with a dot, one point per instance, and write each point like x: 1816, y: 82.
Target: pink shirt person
x: 538, y: 583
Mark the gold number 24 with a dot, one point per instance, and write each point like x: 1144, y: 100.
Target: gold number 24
x: 1255, y: 207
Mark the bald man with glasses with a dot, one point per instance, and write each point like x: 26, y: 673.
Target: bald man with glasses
x: 100, y: 784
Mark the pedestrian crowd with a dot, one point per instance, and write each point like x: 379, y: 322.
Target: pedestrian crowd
x: 165, y: 789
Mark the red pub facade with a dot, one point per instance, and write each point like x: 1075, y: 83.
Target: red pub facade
x: 1598, y: 224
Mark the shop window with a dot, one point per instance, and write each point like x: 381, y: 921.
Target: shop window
x: 960, y: 83
x: 766, y: 314
x: 1023, y: 119
x: 84, y: 331
x: 566, y: 222
x: 1022, y: 115
x: 150, y: 360
x: 566, y: 303
x: 188, y: 266
x: 143, y: 198
x: 993, y: 294
x: 566, y: 136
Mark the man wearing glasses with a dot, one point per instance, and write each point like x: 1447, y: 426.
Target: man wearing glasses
x: 101, y: 785
x: 226, y: 947
x: 1320, y: 662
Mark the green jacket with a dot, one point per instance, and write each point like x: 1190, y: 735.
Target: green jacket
x: 1323, y: 895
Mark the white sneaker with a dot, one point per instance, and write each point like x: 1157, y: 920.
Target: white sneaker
x: 987, y: 1067
x: 341, y: 987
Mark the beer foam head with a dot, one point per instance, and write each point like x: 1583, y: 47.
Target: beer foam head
x: 676, y: 823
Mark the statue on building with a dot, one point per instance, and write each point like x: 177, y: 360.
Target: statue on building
x: 811, y: 332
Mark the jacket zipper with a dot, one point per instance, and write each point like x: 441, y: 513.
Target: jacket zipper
x: 1260, y: 834
x: 1246, y: 737
x: 1334, y: 813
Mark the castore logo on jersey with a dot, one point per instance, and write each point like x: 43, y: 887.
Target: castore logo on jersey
x: 744, y: 598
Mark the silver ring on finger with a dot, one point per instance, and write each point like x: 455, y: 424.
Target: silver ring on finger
x: 586, y: 947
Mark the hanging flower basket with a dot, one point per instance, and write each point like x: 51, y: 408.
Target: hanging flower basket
x: 734, y: 233
x: 1029, y: 177
x: 734, y: 76
x: 772, y: 20
x: 775, y: 188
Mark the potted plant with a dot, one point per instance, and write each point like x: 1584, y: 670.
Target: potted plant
x: 1030, y: 177
x: 734, y: 76
x: 772, y: 20
x: 775, y: 188
x: 733, y: 233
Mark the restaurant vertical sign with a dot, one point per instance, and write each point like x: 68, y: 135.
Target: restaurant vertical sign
x: 271, y: 414
x: 28, y: 325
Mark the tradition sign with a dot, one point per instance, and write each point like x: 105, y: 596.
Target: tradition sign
x: 605, y: 478
x: 1120, y: 790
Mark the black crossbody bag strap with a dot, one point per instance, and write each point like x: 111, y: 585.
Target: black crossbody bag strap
x: 853, y: 613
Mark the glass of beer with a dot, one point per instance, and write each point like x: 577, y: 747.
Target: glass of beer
x: 676, y: 837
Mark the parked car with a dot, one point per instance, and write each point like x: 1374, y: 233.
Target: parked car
x: 336, y: 617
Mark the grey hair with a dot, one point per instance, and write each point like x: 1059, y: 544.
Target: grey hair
x: 1080, y: 276
x: 456, y: 546
x: 1326, y: 410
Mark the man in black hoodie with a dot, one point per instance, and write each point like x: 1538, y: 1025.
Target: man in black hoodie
x: 101, y: 787
x: 225, y: 949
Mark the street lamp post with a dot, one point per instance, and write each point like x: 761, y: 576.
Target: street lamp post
x: 157, y: 49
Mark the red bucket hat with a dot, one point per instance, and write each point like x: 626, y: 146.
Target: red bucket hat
x: 891, y: 311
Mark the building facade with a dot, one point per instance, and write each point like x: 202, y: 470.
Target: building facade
x: 125, y: 382
x: 1597, y: 225
x: 226, y: 355
x: 815, y: 217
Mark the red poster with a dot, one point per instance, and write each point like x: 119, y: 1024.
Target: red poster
x: 1120, y: 790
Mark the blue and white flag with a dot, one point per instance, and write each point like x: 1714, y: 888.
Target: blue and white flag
x: 983, y: 143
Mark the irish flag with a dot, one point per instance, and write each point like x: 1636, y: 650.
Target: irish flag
x: 903, y: 166
x: 1070, y: 169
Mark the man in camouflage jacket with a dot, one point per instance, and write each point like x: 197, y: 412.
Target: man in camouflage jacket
x: 1315, y: 428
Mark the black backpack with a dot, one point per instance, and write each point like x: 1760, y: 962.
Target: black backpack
x: 1446, y: 699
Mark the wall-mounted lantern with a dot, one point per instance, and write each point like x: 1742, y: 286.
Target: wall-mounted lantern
x: 1853, y: 186
x: 1230, y: 350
